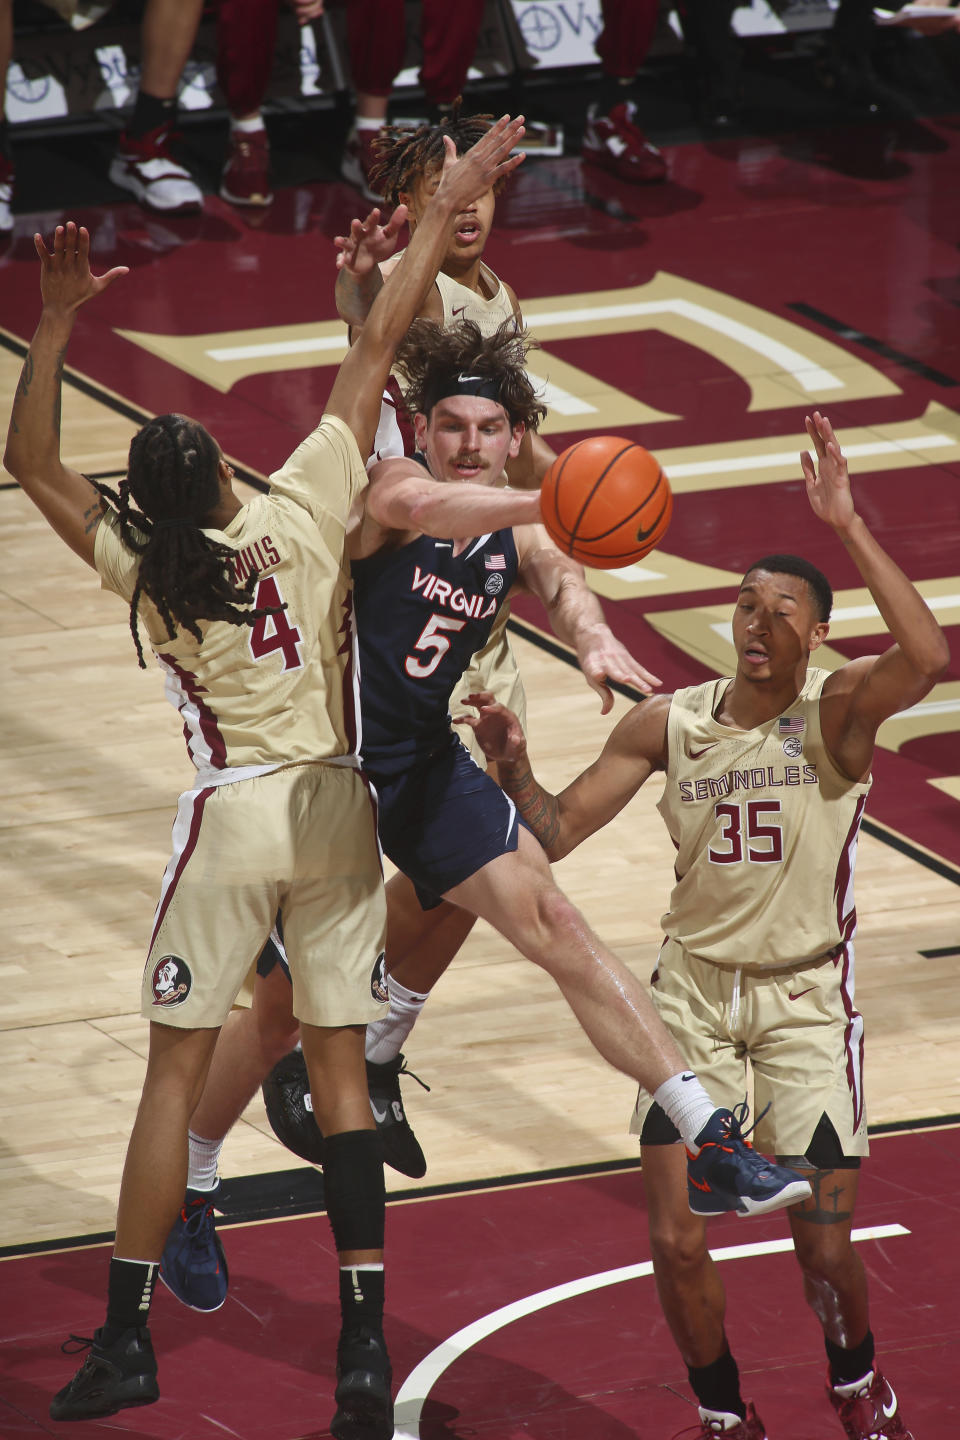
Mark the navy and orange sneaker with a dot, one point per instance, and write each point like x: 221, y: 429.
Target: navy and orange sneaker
x: 726, y: 1173
x: 193, y: 1266
x: 868, y: 1408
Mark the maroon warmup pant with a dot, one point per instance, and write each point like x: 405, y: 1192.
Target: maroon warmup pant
x: 376, y: 35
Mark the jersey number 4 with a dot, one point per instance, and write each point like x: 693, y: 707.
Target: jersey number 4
x: 274, y: 632
x: 764, y: 843
x: 433, y: 639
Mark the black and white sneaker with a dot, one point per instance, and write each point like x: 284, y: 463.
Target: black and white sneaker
x: 401, y: 1149
x: 364, y: 1377
x: 113, y: 1377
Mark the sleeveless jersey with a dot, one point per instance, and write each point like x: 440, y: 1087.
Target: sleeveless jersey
x: 395, y: 431
x: 284, y: 690
x: 765, y: 827
x: 422, y: 612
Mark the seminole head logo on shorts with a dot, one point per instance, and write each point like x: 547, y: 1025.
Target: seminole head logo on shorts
x: 378, y: 980
x: 171, y: 981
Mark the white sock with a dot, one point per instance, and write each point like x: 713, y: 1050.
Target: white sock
x: 686, y: 1103
x: 250, y: 126
x: 202, y: 1166
x: 368, y: 122
x: 385, y: 1037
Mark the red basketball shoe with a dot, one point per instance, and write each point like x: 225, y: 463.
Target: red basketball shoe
x: 616, y: 142
x: 712, y: 1425
x: 246, y: 174
x: 868, y: 1409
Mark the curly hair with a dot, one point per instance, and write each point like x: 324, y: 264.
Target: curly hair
x: 172, y: 478
x: 430, y: 354
x: 402, y: 156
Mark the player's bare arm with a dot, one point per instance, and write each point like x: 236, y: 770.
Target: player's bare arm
x: 576, y: 618
x: 403, y: 499
x: 64, y: 496
x: 636, y: 747
x: 862, y: 694
x: 358, y: 388
x: 360, y: 256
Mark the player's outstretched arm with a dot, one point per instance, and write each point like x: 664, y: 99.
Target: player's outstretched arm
x: 576, y: 617
x: 64, y: 496
x: 634, y: 750
x: 360, y: 380
x: 402, y: 496
x: 872, y: 688
x: 361, y: 253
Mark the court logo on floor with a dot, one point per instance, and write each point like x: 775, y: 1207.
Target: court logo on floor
x: 171, y: 981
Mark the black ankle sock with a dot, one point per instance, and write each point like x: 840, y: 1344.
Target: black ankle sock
x: 361, y: 1300
x: 129, y: 1293
x: 615, y: 91
x: 717, y: 1386
x: 149, y: 113
x: 5, y: 139
x: 849, y: 1365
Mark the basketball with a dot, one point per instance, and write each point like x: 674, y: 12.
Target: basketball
x: 606, y: 502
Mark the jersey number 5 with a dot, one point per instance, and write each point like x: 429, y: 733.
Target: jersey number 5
x: 432, y: 638
x: 764, y: 842
x: 274, y: 632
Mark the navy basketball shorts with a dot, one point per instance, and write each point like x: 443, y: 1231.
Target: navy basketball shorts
x: 442, y: 820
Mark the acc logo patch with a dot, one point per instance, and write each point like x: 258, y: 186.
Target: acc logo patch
x: 793, y: 746
x: 378, y: 980
x: 171, y: 981
x: 493, y: 584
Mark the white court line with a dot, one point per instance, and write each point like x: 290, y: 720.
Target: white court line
x: 421, y: 1380
x: 777, y: 458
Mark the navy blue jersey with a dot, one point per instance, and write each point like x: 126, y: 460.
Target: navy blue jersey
x: 421, y: 613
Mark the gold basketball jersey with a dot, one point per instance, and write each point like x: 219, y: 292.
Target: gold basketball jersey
x: 460, y: 303
x: 765, y: 827
x: 282, y: 691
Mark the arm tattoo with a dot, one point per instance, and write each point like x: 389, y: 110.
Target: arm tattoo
x: 93, y: 515
x: 539, y: 809
x: 58, y: 397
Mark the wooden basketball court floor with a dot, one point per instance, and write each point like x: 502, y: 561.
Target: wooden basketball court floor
x: 703, y: 317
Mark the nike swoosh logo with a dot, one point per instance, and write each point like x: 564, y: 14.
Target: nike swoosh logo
x: 378, y: 1115
x: 459, y: 310
x: 791, y: 996
x: 688, y: 1077
x: 643, y: 535
x: 695, y: 754
x: 890, y: 1411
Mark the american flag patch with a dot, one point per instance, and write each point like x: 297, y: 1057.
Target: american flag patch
x: 494, y: 562
x: 791, y: 725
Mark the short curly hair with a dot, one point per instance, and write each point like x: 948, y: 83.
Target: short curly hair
x: 430, y: 354
x: 401, y: 157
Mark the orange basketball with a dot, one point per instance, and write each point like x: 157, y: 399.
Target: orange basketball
x: 606, y: 501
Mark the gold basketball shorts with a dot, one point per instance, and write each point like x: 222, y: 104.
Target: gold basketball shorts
x: 493, y: 668
x: 301, y: 840
x: 797, y: 1028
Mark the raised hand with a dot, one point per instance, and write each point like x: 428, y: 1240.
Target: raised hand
x: 828, y: 483
x: 66, y: 280
x: 466, y: 177
x: 498, y: 731
x: 369, y: 242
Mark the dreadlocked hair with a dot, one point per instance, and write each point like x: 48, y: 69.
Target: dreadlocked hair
x: 402, y: 156
x: 172, y: 479
x: 429, y: 353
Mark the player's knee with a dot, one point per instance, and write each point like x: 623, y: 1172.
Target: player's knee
x: 677, y: 1246
x: 556, y: 917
